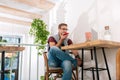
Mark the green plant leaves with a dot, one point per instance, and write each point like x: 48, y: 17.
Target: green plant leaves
x: 39, y: 31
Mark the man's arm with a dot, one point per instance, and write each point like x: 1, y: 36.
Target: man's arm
x: 58, y: 44
x: 54, y: 44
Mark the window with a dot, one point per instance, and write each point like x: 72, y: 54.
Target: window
x: 11, y: 59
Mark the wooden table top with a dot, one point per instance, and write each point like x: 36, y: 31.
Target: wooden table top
x: 91, y: 44
x: 11, y: 48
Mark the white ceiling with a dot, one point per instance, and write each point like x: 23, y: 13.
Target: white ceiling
x: 18, y: 6
x: 21, y: 6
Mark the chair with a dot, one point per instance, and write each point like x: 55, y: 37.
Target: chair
x: 58, y: 71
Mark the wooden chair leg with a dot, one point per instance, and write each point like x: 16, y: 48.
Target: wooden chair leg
x: 76, y: 73
x: 46, y: 76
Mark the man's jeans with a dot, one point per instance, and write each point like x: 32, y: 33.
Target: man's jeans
x: 58, y: 58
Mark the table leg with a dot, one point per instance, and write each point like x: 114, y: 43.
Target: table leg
x: 106, y: 63
x: 2, y: 65
x: 82, y: 65
x: 96, y: 63
x: 93, y: 74
x: 91, y: 51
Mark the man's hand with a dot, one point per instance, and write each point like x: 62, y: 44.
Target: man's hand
x: 64, y: 35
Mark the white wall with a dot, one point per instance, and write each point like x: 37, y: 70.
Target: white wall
x: 82, y: 15
x: 13, y: 29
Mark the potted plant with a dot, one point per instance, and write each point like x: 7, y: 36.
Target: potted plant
x: 39, y: 31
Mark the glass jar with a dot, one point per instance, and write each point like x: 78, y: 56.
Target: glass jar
x: 107, y: 33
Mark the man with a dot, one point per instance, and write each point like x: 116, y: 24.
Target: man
x: 61, y: 58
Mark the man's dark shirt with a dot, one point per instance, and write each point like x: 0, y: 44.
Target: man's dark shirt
x: 52, y: 39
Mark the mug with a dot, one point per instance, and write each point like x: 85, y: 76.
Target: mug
x: 88, y: 36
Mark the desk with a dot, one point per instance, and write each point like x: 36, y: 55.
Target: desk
x: 9, y: 49
x: 93, y: 45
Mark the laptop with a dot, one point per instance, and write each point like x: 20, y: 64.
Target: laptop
x: 94, y: 34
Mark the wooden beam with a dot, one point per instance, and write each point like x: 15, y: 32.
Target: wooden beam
x: 20, y: 22
x: 17, y: 12
x: 42, y: 4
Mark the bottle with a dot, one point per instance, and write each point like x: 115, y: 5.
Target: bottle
x: 107, y: 33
